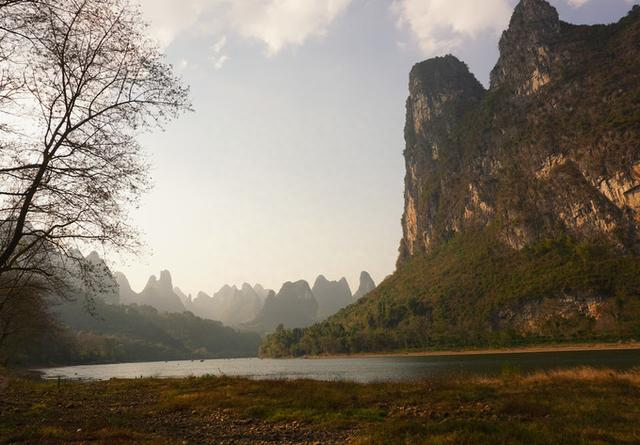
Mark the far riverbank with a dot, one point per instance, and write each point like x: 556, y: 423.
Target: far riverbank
x: 573, y: 347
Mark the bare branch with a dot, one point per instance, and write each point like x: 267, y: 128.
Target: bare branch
x: 79, y: 81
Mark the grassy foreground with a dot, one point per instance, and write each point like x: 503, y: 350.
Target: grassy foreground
x: 580, y: 406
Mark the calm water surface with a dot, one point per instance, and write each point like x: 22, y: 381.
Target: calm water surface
x: 355, y: 369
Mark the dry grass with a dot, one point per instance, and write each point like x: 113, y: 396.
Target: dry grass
x: 586, y: 374
x: 583, y: 374
x: 574, y: 406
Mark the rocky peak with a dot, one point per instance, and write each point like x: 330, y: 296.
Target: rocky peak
x: 441, y: 90
x: 94, y: 258
x: 320, y: 280
x: 261, y: 291
x: 247, y: 289
x: 226, y: 293
x: 299, y: 289
x: 527, y: 48
x: 537, y: 12
x: 164, y: 283
x: 366, y: 285
x: 226, y: 289
x: 122, y: 280
x: 165, y: 280
x: 294, y: 306
x: 331, y: 295
x: 160, y: 294
x: 203, y: 296
x: 248, y: 294
x: 271, y: 295
x: 152, y: 282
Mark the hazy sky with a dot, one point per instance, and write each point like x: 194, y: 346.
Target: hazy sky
x: 291, y: 165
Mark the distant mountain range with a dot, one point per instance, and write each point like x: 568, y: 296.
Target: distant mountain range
x: 102, y: 320
x: 252, y: 308
x: 249, y: 308
x: 230, y: 305
x: 298, y: 306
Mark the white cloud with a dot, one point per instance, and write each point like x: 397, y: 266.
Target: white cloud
x: 217, y: 53
x: 168, y: 18
x: 275, y: 23
x: 578, y: 3
x: 279, y: 23
x: 442, y: 25
x: 219, y: 45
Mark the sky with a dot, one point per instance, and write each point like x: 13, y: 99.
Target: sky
x: 291, y: 164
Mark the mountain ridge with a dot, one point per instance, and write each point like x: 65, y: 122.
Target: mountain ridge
x: 522, y: 202
x: 242, y: 307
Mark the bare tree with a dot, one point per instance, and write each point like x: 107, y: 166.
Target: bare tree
x: 79, y: 81
x: 70, y: 166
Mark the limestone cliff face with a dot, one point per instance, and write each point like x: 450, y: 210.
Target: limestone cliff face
x: 529, y: 49
x: 551, y: 148
x: 441, y: 89
x: 522, y: 202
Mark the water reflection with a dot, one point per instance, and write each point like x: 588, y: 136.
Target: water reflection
x: 356, y: 369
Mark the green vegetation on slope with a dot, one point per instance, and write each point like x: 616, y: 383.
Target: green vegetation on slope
x: 474, y: 291
x: 114, y: 333
x: 559, y: 407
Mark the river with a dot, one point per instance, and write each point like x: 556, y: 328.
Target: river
x: 357, y: 369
